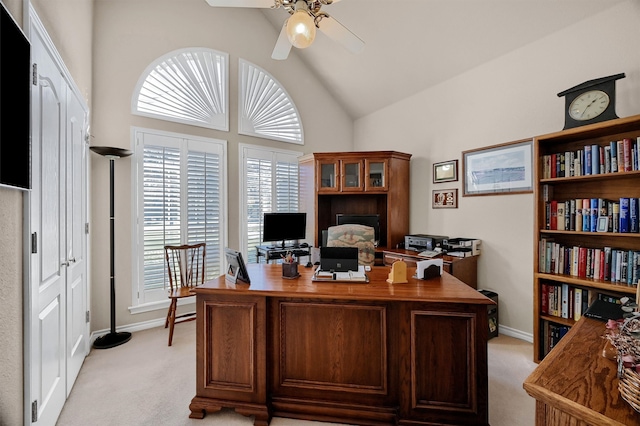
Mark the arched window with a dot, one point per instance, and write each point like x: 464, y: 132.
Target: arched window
x: 265, y: 108
x: 187, y: 86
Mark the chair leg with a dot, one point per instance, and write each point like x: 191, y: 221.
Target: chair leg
x: 166, y: 321
x: 172, y: 318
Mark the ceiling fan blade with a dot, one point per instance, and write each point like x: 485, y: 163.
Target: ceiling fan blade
x: 339, y: 33
x: 266, y: 4
x: 283, y: 46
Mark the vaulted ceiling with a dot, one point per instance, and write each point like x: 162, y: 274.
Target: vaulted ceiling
x: 412, y: 45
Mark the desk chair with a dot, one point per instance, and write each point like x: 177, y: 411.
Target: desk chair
x: 353, y: 235
x: 185, y: 268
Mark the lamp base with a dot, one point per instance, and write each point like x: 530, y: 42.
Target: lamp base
x: 111, y: 340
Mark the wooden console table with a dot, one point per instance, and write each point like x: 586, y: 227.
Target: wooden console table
x: 576, y: 385
x: 463, y: 268
x: 375, y: 354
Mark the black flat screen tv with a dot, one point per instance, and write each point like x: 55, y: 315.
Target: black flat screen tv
x: 15, y: 104
x: 282, y: 227
x: 372, y: 220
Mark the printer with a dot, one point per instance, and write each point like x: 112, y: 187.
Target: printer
x: 421, y: 242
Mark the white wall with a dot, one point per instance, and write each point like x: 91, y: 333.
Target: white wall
x: 511, y: 98
x: 129, y: 35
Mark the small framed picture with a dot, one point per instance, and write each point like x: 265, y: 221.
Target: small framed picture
x: 446, y: 171
x: 444, y: 199
x: 603, y: 224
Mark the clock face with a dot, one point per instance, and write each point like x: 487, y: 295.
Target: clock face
x: 589, y: 105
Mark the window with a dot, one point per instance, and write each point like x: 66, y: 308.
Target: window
x: 265, y: 108
x: 180, y: 193
x: 269, y: 180
x: 186, y: 86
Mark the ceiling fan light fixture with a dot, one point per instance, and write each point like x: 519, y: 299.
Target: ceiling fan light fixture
x: 301, y: 28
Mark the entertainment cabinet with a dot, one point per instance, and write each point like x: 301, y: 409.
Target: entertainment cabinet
x: 367, y: 182
x: 563, y: 237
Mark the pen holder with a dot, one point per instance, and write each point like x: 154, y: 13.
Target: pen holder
x: 290, y: 270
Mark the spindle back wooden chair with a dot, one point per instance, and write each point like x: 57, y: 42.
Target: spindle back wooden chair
x: 186, y: 270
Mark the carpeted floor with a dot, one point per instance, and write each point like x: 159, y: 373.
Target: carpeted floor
x: 145, y: 382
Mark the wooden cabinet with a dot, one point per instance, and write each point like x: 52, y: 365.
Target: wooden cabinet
x: 463, y: 268
x: 368, y: 182
x: 561, y: 240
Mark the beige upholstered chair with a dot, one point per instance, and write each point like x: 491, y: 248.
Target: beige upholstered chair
x: 352, y: 235
x: 185, y: 268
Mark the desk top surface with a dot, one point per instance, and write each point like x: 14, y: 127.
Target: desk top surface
x: 575, y: 378
x: 266, y: 280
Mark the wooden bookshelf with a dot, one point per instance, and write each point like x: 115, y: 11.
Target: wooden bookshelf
x: 564, y: 186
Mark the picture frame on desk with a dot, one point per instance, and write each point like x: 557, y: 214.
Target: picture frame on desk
x: 445, y: 171
x: 498, y: 169
x: 444, y: 199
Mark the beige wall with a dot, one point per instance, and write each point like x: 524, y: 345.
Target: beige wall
x: 130, y: 35
x: 508, y: 99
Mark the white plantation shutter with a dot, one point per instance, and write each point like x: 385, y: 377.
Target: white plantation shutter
x: 186, y: 86
x: 182, y: 193
x: 265, y: 108
x: 269, y: 184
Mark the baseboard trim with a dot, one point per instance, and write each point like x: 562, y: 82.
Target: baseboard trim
x: 131, y: 328
x: 518, y: 334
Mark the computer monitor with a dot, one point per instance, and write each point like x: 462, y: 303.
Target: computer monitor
x: 372, y: 220
x: 281, y: 227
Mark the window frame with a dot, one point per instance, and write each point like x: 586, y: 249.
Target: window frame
x: 242, y: 153
x: 145, y: 300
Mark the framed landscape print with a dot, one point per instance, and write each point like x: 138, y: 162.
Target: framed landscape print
x: 498, y: 169
x: 446, y: 171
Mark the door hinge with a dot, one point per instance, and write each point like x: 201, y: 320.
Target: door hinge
x: 34, y: 74
x: 88, y: 316
x: 34, y: 243
x: 34, y: 411
x: 86, y: 228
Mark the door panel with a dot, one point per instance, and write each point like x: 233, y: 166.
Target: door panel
x: 58, y: 330
x: 48, y: 273
x: 76, y: 199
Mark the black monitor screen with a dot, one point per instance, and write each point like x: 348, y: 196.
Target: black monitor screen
x: 372, y: 220
x: 284, y: 227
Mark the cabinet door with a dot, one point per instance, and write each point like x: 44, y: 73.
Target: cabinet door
x: 327, y: 176
x: 352, y: 177
x: 376, y: 172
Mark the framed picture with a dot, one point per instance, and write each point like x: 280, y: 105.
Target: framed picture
x: 499, y: 169
x: 446, y: 171
x: 603, y: 224
x: 444, y: 199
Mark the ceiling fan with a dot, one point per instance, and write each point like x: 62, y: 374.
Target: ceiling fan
x: 299, y: 29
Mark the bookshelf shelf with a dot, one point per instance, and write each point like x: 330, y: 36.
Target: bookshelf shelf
x: 606, y: 259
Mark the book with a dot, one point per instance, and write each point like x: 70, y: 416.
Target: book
x: 633, y: 214
x: 615, y: 217
x: 553, y: 224
x: 607, y: 159
x: 578, y: 218
x: 564, y: 301
x: 626, y: 154
x: 586, y: 214
x: 613, y: 148
x: 624, y: 215
x: 603, y: 310
x: 577, y: 304
x: 560, y: 216
x: 593, y: 215
x: 620, y: 152
x: 588, y: 162
x: 595, y: 160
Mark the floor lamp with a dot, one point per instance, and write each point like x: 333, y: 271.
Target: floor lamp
x: 112, y: 338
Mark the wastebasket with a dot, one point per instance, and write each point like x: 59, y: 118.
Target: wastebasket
x: 492, y: 312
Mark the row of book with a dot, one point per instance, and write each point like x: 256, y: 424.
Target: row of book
x: 552, y: 333
x: 617, y: 156
x: 563, y: 301
x: 604, y: 264
x: 593, y: 215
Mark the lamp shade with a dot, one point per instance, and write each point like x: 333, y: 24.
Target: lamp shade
x: 301, y: 30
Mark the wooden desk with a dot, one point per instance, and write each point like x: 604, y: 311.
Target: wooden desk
x: 374, y: 354
x: 463, y: 268
x: 576, y: 385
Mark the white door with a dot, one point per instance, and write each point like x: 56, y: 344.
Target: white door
x: 77, y: 329
x: 58, y: 331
